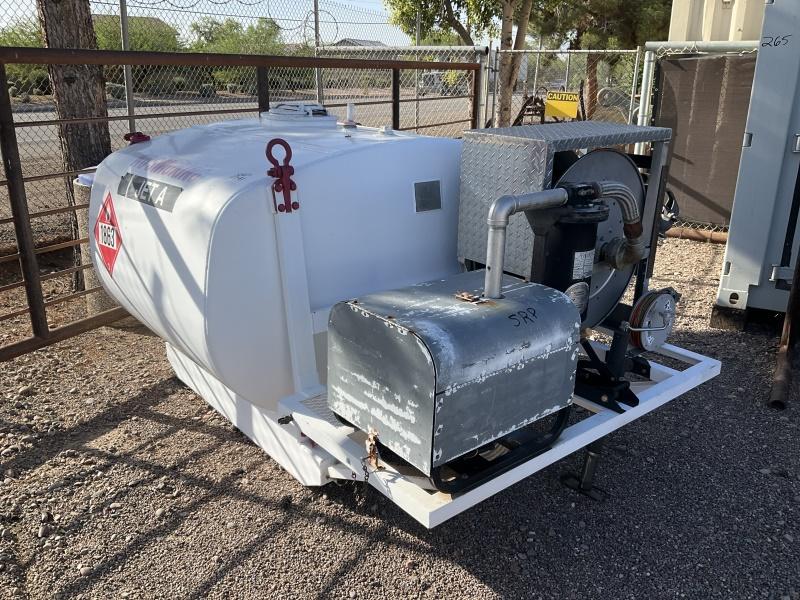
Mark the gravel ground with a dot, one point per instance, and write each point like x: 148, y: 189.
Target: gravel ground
x: 118, y: 482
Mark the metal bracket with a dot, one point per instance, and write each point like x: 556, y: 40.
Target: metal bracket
x: 780, y: 273
x: 583, y: 483
x: 595, y: 381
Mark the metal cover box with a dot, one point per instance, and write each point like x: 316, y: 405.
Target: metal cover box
x: 516, y: 160
x: 435, y: 375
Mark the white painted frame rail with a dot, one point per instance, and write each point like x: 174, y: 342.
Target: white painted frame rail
x: 432, y: 508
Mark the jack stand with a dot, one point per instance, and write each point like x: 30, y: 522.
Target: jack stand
x: 583, y: 483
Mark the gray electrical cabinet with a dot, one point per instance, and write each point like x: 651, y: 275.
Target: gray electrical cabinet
x: 763, y: 238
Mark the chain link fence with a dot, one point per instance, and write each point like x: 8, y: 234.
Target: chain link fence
x: 41, y: 272
x: 705, y: 103
x: 609, y: 80
x: 433, y: 101
x: 159, y: 99
x: 237, y: 26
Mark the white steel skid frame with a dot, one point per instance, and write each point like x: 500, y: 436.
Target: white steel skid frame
x: 307, y: 440
x: 430, y: 507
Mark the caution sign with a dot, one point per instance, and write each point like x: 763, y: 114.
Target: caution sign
x: 563, y: 105
x: 107, y: 234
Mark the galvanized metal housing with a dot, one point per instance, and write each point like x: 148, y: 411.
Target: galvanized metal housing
x: 437, y: 371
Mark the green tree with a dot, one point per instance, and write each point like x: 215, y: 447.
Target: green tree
x: 469, y: 19
x: 616, y: 24
x: 232, y: 37
x: 600, y: 24
x: 441, y: 37
x: 581, y: 23
x: 25, y: 34
x: 441, y: 17
x: 144, y: 33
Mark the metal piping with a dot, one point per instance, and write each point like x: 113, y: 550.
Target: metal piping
x: 579, y: 51
x: 618, y: 252
x: 622, y: 252
x: 499, y: 213
x: 76, y: 56
x: 786, y: 362
x: 483, y: 50
x: 624, y: 198
x: 646, y: 94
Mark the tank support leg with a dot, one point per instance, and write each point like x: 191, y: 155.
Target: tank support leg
x: 583, y: 483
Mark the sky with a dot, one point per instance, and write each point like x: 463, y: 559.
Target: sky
x: 362, y: 19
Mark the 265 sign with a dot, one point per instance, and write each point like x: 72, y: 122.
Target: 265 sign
x: 774, y: 41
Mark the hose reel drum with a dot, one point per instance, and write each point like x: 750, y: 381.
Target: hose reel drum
x: 608, y: 284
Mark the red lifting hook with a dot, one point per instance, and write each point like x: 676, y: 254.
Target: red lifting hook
x: 283, y: 176
x: 136, y: 137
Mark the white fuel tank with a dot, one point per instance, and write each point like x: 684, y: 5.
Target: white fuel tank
x: 185, y: 233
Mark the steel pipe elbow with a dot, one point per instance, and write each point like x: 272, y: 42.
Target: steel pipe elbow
x: 624, y: 198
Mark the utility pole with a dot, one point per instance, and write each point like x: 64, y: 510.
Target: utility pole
x: 317, y: 46
x: 536, y: 69
x: 126, y: 69
x: 416, y: 74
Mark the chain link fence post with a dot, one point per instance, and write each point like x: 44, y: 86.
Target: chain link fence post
x: 634, y: 84
x: 127, y: 72
x: 317, y: 44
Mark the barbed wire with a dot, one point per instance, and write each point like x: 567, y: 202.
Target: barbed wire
x: 694, y: 49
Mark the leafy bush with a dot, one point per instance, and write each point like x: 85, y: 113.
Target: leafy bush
x: 453, y: 83
x: 24, y: 33
x: 179, y: 83
x: 116, y: 91
x: 39, y: 81
x: 207, y: 90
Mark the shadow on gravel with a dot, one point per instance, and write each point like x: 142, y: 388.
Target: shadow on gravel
x: 703, y: 501
x: 96, y: 426
x: 702, y: 498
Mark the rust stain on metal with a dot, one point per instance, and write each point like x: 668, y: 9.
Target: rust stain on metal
x: 371, y: 445
x: 473, y: 298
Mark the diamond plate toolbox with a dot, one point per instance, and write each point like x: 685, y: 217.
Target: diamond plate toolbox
x: 515, y: 160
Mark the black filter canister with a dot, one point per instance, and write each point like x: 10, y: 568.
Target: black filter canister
x: 564, y: 250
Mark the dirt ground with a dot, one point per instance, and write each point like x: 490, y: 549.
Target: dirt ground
x: 119, y: 482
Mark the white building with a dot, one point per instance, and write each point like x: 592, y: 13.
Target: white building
x: 716, y: 20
